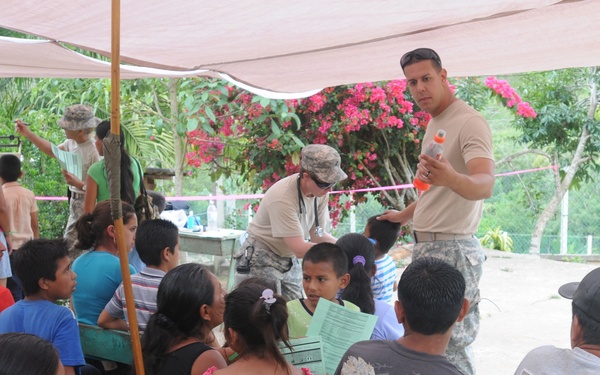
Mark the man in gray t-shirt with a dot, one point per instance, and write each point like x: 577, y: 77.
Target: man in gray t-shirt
x: 584, y: 357
x: 431, y: 299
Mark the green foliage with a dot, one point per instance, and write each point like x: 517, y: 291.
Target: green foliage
x: 472, y: 91
x: 562, y: 100
x: 497, y: 239
x: 42, y: 101
x: 574, y: 259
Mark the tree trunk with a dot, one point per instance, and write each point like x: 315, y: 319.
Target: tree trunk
x: 562, y: 187
x: 178, y: 140
x: 549, y: 211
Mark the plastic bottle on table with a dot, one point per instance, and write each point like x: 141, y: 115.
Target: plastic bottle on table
x: 211, y: 217
x: 191, y: 221
x: 435, y: 149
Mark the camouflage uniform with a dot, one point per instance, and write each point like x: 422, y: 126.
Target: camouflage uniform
x: 286, y: 273
x: 468, y: 257
x: 75, y: 212
x: 287, y: 211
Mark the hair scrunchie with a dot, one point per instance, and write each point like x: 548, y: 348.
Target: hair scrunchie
x: 269, y: 299
x: 164, y: 321
x: 359, y: 259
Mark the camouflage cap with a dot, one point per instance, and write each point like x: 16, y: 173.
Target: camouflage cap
x: 324, y: 162
x: 78, y: 117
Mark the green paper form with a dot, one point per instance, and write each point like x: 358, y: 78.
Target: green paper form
x: 339, y: 328
x: 69, y: 161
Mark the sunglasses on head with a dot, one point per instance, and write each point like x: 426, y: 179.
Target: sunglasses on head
x: 321, y: 184
x: 420, y: 54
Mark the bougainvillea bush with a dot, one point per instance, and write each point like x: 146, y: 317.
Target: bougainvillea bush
x: 376, y: 127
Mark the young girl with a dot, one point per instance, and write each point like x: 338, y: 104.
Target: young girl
x: 255, y: 321
x: 178, y: 339
x: 99, y: 270
x: 361, y: 267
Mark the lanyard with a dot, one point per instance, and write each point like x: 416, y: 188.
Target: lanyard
x: 301, y: 206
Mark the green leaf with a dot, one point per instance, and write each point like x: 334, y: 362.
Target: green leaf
x: 195, y: 108
x: 296, y: 157
x: 265, y: 102
x: 189, y: 101
x: 298, y: 141
x: 275, y: 128
x: 159, y: 126
x: 207, y: 128
x: 210, y: 113
x: 192, y: 124
x: 297, y: 120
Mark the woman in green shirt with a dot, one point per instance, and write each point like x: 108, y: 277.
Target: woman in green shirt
x: 96, y: 187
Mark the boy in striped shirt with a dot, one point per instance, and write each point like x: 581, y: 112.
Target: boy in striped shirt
x: 384, y: 234
x: 157, y: 242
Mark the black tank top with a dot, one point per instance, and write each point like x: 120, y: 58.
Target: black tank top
x: 180, y: 361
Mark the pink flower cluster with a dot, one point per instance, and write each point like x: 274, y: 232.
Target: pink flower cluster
x: 203, y: 148
x: 503, y: 89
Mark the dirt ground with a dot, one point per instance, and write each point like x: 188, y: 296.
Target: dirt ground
x: 521, y: 308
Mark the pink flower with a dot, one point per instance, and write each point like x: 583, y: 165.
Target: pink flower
x: 377, y: 95
x: 316, y: 102
x: 503, y: 89
x: 525, y: 110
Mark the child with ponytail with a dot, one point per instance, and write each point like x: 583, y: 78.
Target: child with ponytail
x: 255, y: 321
x: 361, y: 266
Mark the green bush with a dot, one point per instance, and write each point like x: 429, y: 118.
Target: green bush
x: 497, y: 239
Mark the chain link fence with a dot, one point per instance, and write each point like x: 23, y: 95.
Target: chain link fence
x: 518, y: 201
x: 515, y: 206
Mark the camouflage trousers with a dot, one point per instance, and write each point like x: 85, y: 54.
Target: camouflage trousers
x: 468, y: 257
x: 284, y: 272
x: 75, y: 212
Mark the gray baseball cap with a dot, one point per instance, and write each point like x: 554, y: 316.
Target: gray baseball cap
x: 323, y: 162
x: 585, y: 294
x: 78, y: 117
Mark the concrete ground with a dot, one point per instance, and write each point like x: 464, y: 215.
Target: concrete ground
x: 521, y: 308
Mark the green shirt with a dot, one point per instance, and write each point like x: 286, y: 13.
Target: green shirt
x: 98, y: 173
x: 299, y: 316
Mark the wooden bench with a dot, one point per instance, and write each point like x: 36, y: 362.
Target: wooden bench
x: 106, y: 344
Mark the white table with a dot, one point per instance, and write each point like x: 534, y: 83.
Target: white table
x: 219, y: 245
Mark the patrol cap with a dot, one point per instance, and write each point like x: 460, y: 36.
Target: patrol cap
x: 78, y: 117
x: 585, y: 294
x: 323, y: 162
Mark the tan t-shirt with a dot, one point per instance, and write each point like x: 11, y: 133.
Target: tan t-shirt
x: 468, y: 136
x: 279, y: 216
x: 21, y: 205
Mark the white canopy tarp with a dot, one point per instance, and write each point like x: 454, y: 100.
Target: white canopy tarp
x: 292, y: 46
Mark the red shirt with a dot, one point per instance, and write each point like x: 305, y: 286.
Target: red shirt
x: 6, y: 298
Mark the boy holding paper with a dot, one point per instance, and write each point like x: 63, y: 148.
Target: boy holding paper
x: 78, y: 122
x: 324, y: 273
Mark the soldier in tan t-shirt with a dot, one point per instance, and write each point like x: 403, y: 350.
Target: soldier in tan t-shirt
x: 291, y: 218
x: 447, y: 215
